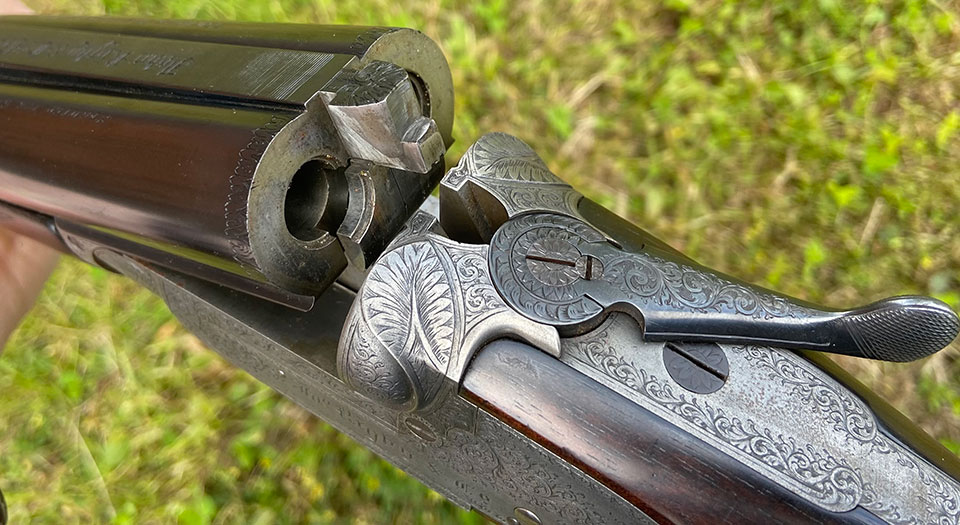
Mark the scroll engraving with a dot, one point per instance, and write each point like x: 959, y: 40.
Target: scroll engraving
x: 646, y: 281
x: 828, y: 450
x: 848, y: 415
x: 530, y: 474
x: 560, y: 492
x: 502, y: 157
x: 564, y: 302
x: 818, y: 475
x: 377, y: 375
x: 368, y: 85
x: 512, y: 173
x: 668, y: 283
x: 241, y: 180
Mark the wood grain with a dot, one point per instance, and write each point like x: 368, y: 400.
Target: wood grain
x: 670, y: 475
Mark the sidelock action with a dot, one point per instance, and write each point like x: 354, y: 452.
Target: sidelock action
x: 527, y: 353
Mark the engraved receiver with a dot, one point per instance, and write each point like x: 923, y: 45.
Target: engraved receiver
x: 672, y: 385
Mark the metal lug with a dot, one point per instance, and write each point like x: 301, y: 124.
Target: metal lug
x: 380, y: 118
x: 498, y: 178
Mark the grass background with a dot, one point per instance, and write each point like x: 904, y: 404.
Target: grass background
x: 813, y: 147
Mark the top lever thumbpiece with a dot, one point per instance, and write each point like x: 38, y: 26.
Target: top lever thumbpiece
x: 558, y: 261
x: 559, y: 271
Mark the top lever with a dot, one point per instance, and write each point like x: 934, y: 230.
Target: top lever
x: 558, y: 270
x: 553, y: 266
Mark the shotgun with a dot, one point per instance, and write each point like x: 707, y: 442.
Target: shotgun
x: 512, y: 344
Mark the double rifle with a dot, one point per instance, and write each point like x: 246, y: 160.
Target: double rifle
x: 514, y: 345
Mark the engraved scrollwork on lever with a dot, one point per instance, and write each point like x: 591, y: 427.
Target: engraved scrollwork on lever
x: 676, y: 285
x: 556, y: 266
x: 561, y: 271
x: 646, y: 281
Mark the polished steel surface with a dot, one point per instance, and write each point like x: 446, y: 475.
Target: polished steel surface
x: 279, y: 159
x: 405, y: 47
x: 164, y: 68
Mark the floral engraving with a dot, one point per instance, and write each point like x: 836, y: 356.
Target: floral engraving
x: 849, y: 415
x: 510, y: 171
x: 821, y: 476
x: 522, y: 198
x: 480, y: 299
x: 831, y: 451
x: 402, y: 329
x: 369, y: 85
x: 558, y: 304
x: 374, y: 373
x: 655, y: 280
x: 241, y: 181
x: 502, y: 157
x: 413, y: 306
x: 527, y: 471
x: 417, y: 320
x: 647, y: 282
x: 841, y: 409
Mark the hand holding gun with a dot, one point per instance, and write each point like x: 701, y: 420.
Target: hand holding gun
x: 24, y: 263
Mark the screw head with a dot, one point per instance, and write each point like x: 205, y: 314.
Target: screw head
x: 525, y: 517
x: 553, y: 261
x: 698, y: 367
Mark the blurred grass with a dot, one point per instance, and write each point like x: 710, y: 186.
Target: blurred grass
x: 813, y: 147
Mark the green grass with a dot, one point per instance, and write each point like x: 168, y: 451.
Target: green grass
x: 813, y: 147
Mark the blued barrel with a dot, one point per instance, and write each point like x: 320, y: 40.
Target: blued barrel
x: 195, y: 144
